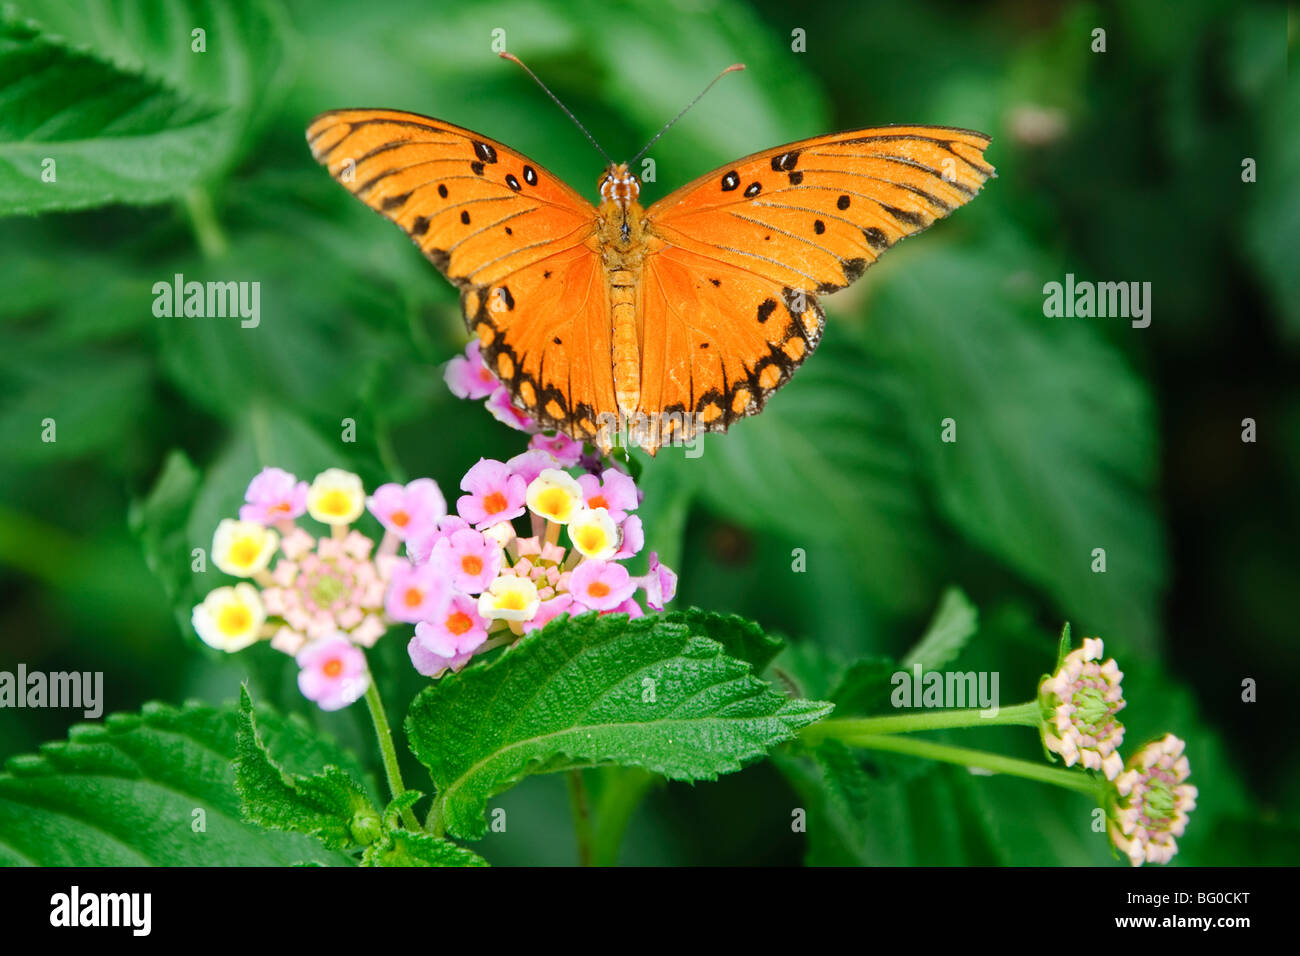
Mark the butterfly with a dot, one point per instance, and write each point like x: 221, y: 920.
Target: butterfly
x: 680, y: 318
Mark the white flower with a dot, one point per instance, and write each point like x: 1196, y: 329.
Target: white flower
x: 336, y: 497
x: 554, y: 495
x: 230, y: 618
x: 594, y: 533
x: 509, y: 598
x: 243, y: 548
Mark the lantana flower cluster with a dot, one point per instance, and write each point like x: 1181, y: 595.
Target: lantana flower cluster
x: 1149, y: 797
x: 530, y: 539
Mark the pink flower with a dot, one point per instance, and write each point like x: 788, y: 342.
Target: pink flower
x: 495, y: 494
x: 415, y: 593
x: 613, y: 491
x: 630, y: 608
x: 504, y: 411
x: 467, y: 376
x: 633, y: 539
x: 402, y: 510
x: 456, y: 628
x: 660, y: 583
x: 528, y: 465
x: 431, y: 664
x: 332, y: 672
x: 274, y: 495
x: 601, y: 585
x: 549, y: 610
x: 566, y: 451
x: 467, y: 559
x: 328, y: 585
x: 420, y: 542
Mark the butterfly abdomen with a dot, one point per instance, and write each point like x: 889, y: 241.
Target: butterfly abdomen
x: 626, y: 349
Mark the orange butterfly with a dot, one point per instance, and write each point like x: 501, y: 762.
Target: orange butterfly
x: 679, y: 318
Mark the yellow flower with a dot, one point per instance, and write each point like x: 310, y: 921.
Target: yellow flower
x: 509, y: 598
x: 242, y: 548
x: 230, y: 618
x: 594, y: 533
x: 554, y: 495
x: 336, y: 497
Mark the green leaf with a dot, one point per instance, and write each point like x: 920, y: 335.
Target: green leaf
x: 830, y: 467
x: 128, y: 791
x: 330, y: 805
x: 159, y: 522
x: 404, y: 848
x: 954, y: 623
x: 123, y: 104
x: 112, y: 134
x: 592, y: 690
x: 865, y: 686
x: 739, y: 637
x: 1056, y: 449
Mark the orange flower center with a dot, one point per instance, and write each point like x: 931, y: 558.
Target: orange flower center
x: 471, y: 564
x: 280, y: 508
x: 459, y: 622
x: 598, y: 501
x: 494, y: 503
x: 413, y: 597
x: 332, y: 667
x: 598, y: 589
x: 400, y: 518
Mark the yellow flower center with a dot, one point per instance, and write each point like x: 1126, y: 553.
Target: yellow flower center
x: 335, y: 502
x: 234, y: 619
x: 245, y: 551
x: 512, y: 601
x: 591, y: 538
x: 554, y: 503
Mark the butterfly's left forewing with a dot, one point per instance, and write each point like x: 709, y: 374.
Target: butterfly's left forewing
x: 476, y: 208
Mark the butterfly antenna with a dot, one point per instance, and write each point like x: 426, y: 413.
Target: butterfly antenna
x: 731, y: 69
x: 567, y: 112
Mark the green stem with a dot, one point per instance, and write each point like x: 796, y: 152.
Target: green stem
x: 581, y: 816
x: 433, y: 822
x: 1026, y: 715
x: 385, y: 735
x: 203, y: 220
x: 622, y: 790
x: 965, y: 757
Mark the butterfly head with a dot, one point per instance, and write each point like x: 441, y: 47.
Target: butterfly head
x: 619, y: 186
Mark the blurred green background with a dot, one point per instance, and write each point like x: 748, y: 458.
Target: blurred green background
x: 1073, y: 434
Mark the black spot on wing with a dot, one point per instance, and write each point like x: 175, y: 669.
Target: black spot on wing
x: 393, y: 202
x: 765, y: 310
x: 753, y: 189
x: 842, y: 202
x: 876, y: 238
x: 485, y: 152
x: 785, y: 162
x: 442, y: 190
x: 818, y: 226
x: 464, y: 216
x: 477, y: 167
x: 530, y: 176
x: 796, y: 178
x: 730, y: 181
